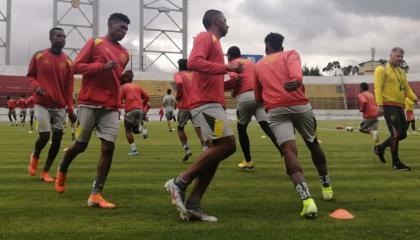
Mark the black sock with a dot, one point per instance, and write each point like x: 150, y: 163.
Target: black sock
x: 181, y: 183
x: 98, y: 184
x: 325, y: 180
x: 244, y: 141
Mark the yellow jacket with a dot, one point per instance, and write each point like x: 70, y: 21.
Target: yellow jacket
x: 391, y: 86
x: 409, y: 104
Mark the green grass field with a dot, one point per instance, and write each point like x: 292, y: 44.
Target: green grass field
x: 261, y: 204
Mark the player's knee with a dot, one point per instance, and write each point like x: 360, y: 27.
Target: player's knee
x: 107, y: 147
x: 293, y: 168
x: 80, y: 147
x: 44, y: 136
x: 180, y: 128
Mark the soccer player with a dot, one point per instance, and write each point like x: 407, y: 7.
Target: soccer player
x: 183, y: 81
x: 242, y: 86
x: 391, y: 89
x: 11, y: 105
x: 409, y: 112
x: 30, y: 103
x: 207, y: 101
x: 134, y: 98
x: 368, y: 107
x: 21, y: 104
x: 161, y: 113
x: 279, y: 86
x: 169, y: 103
x: 51, y: 79
x: 102, y: 62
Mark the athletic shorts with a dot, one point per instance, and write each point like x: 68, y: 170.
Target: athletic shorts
x: 212, y: 120
x: 410, y: 115
x: 283, y: 122
x: 169, y: 115
x: 369, y: 124
x: 134, y: 116
x: 49, y: 119
x: 245, y: 111
x: 183, y: 117
x: 104, y: 121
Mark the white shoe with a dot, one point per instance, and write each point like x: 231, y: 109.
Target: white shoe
x: 197, y: 215
x: 145, y: 133
x: 177, y: 195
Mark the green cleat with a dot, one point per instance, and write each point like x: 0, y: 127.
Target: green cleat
x: 309, y: 209
x: 327, y: 193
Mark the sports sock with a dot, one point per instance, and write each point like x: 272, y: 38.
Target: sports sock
x: 325, y: 180
x: 186, y: 147
x: 98, y: 184
x: 133, y: 147
x: 303, y: 190
x: 181, y: 183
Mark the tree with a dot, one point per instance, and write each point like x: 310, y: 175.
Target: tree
x: 313, y: 71
x: 333, y: 68
x: 347, y: 70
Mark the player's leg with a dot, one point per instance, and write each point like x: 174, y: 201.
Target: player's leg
x: 379, y: 149
x: 44, y: 130
x: 31, y: 118
x: 213, y: 123
x: 244, y: 113
x: 183, y: 117
x: 400, y: 133
x: 9, y: 114
x: 281, y: 125
x: 364, y: 126
x: 58, y: 117
x: 107, y: 130
x: 305, y: 124
x: 87, y: 122
x: 374, y: 130
x: 262, y: 119
x: 129, y: 120
x: 169, y: 117
x: 413, y: 125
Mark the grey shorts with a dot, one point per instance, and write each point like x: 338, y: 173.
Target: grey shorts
x: 183, y: 117
x: 169, y: 115
x: 245, y: 111
x: 369, y: 123
x: 49, y: 119
x: 104, y: 121
x: 134, y: 117
x: 212, y: 120
x: 284, y: 121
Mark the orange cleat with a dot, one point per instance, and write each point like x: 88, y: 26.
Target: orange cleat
x: 45, y: 176
x: 96, y: 200
x: 60, y: 182
x: 33, y: 165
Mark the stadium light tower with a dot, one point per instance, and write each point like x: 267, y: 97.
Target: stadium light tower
x: 171, y: 10
x: 5, y: 18
x: 79, y: 19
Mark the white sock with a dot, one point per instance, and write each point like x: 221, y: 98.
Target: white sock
x: 133, y: 147
x: 186, y: 146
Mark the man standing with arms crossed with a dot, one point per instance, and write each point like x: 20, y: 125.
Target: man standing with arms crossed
x: 391, y: 89
x: 51, y: 79
x: 279, y: 86
x: 207, y: 103
x: 102, y: 62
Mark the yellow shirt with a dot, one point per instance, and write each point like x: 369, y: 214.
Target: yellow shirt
x: 391, y: 86
x: 409, y: 104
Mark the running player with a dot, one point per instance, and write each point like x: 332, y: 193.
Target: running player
x: 242, y: 86
x: 169, y: 103
x: 183, y: 81
x: 102, y: 62
x: 30, y: 103
x: 391, y: 89
x: 409, y: 112
x: 21, y: 104
x: 368, y: 107
x: 51, y: 79
x: 11, y: 105
x: 134, y: 98
x: 279, y: 85
x: 207, y: 103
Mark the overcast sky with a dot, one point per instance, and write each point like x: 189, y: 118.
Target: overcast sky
x: 320, y: 30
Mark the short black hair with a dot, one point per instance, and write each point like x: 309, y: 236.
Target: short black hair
x: 275, y: 40
x: 52, y: 30
x: 234, y: 52
x: 118, y: 17
x: 169, y: 91
x: 183, y: 64
x: 210, y: 17
x: 398, y: 49
x: 364, y: 86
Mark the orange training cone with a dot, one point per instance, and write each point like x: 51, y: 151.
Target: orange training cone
x: 342, y: 214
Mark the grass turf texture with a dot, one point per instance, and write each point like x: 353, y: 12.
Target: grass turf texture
x: 261, y: 204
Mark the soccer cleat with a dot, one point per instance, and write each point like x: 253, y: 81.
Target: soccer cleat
x: 197, y: 215
x: 171, y: 130
x: 177, y: 195
x: 134, y: 153
x: 187, y: 155
x: 244, y: 165
x: 96, y: 200
x: 45, y: 176
x: 401, y: 166
x: 327, y: 193
x: 33, y: 165
x: 380, y: 152
x: 145, y: 133
x: 309, y: 208
x: 60, y: 181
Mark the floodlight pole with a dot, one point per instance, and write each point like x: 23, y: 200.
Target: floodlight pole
x: 7, y: 19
